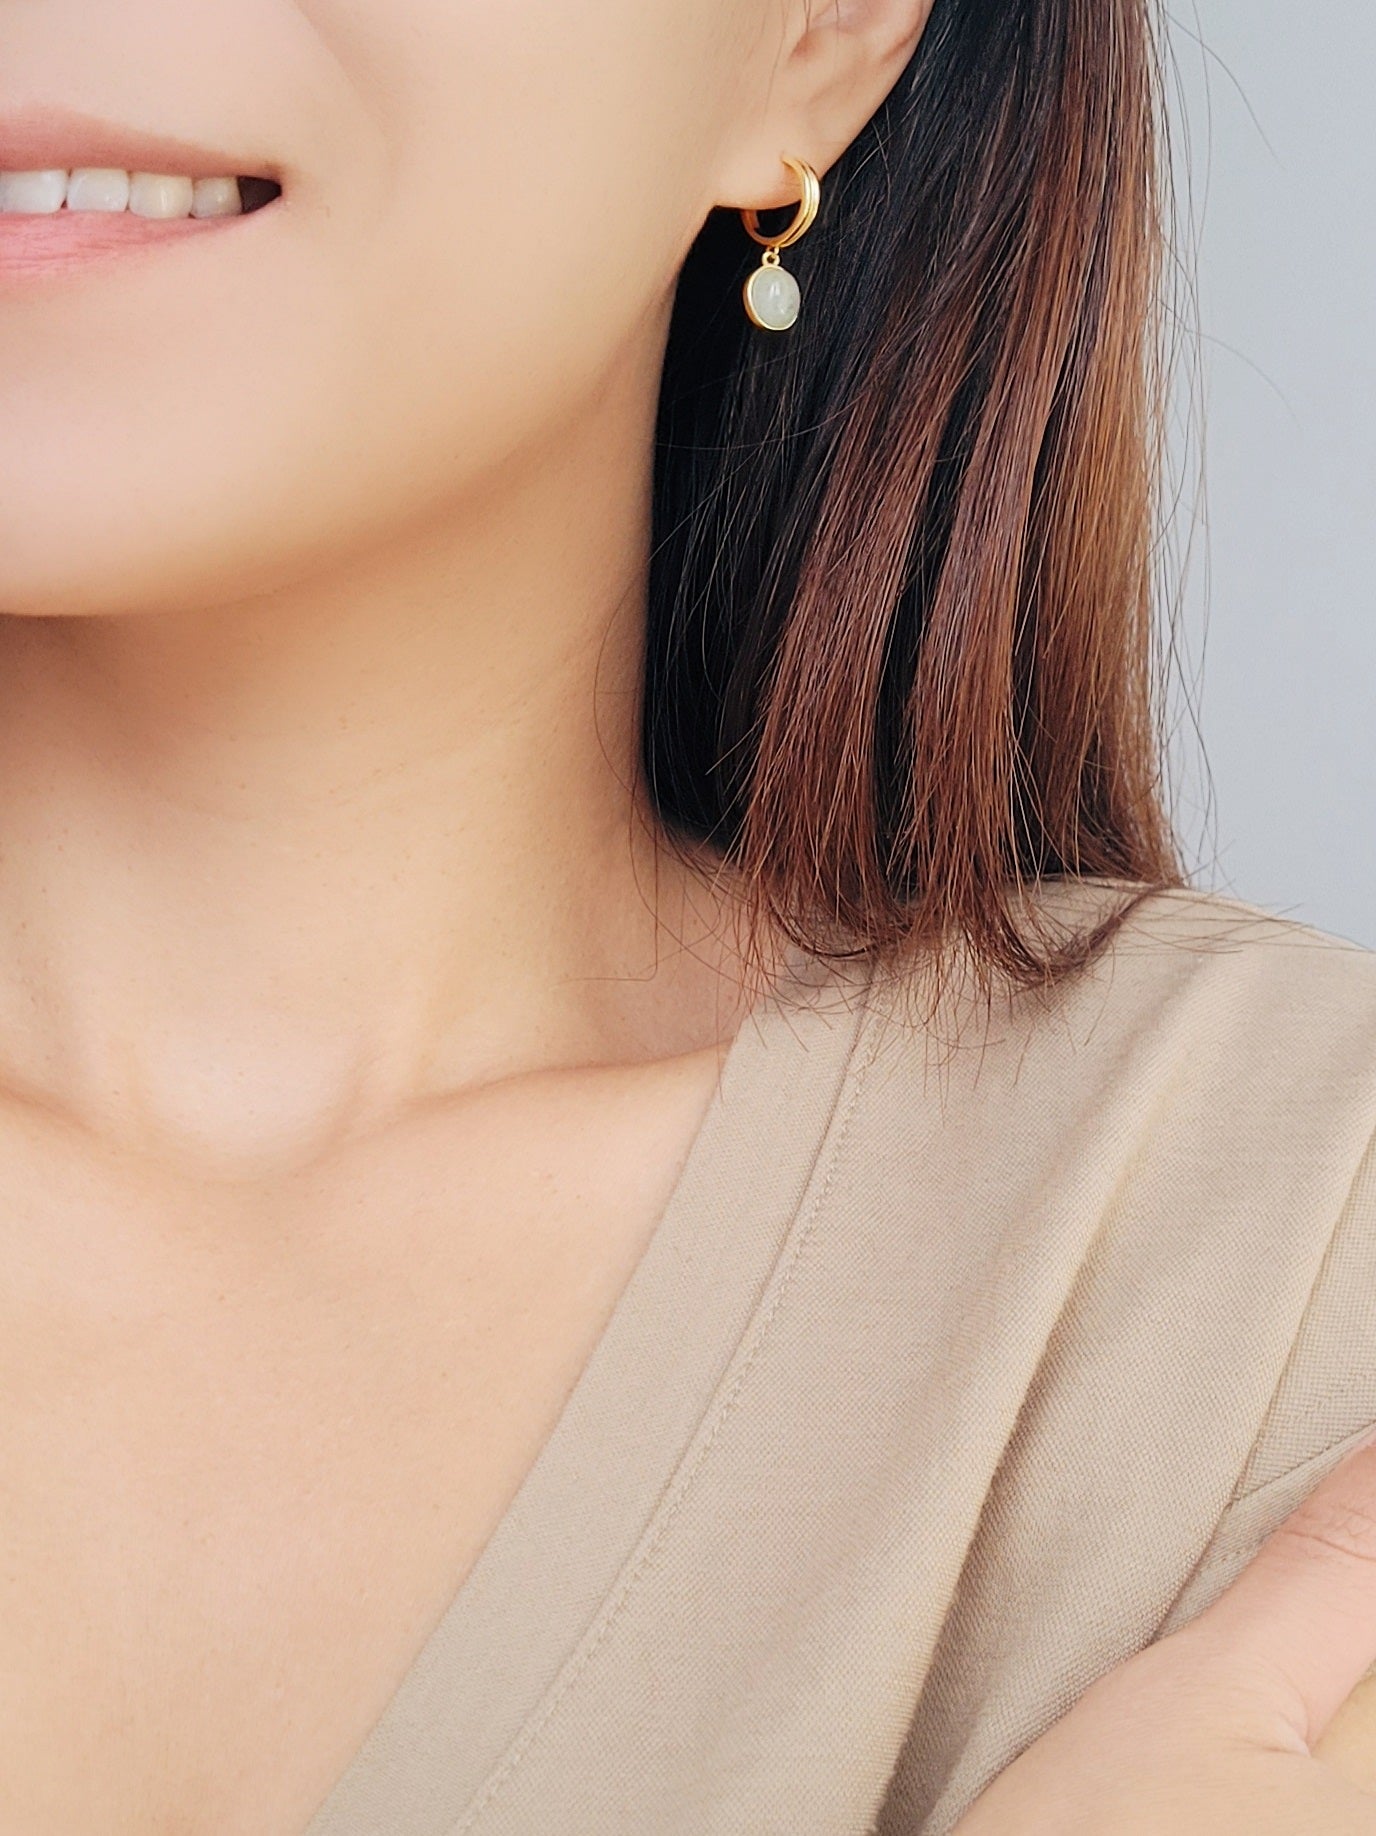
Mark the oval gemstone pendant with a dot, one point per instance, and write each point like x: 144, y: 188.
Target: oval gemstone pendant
x: 772, y: 296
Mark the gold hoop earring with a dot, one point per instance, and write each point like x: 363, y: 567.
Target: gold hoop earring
x: 772, y: 295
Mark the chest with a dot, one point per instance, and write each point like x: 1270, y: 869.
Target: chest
x: 238, y: 1488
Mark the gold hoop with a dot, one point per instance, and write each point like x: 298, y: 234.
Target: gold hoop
x: 806, y: 212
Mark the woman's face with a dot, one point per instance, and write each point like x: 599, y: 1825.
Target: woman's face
x: 485, y: 204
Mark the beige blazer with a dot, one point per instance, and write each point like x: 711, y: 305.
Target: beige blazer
x: 950, y: 1377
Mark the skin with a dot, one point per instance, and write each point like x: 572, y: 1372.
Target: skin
x: 354, y: 1019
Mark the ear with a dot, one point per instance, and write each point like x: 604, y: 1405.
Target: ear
x: 836, y: 62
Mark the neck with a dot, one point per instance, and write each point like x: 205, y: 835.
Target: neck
x: 275, y: 872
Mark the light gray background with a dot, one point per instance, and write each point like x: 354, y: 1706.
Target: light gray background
x: 1273, y: 545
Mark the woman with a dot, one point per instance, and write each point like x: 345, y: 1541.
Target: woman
x: 639, y: 1197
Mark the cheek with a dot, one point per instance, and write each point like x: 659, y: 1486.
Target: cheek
x: 452, y: 273
x: 548, y: 165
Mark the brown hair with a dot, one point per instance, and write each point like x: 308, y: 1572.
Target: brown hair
x: 900, y: 647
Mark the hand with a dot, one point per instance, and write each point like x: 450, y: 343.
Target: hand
x: 1218, y: 1729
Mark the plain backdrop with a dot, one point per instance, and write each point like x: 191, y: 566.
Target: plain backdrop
x: 1272, y: 542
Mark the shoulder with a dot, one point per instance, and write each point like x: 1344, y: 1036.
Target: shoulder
x: 1204, y: 1024
x: 1253, y: 998
x: 1179, y: 917
x: 1176, y: 935
x: 1189, y: 986
x: 1196, y: 1109
x: 1226, y: 1052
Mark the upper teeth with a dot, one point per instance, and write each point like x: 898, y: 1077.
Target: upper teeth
x: 147, y: 194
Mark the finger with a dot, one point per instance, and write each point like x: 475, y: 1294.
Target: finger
x: 1303, y: 1611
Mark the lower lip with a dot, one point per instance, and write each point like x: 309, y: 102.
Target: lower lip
x: 36, y: 248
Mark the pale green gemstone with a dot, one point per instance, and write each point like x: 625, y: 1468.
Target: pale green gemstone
x: 774, y: 297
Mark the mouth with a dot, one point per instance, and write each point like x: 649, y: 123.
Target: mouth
x: 56, y: 225
x: 76, y: 189
x: 110, y: 191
